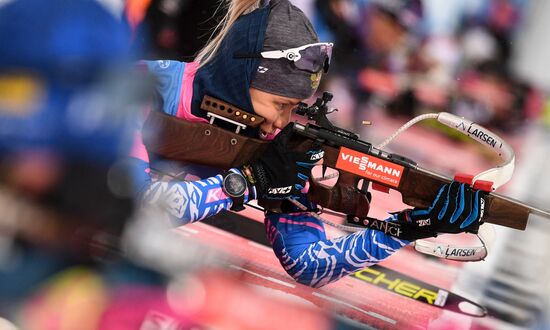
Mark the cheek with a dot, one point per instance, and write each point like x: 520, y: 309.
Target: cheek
x: 267, y: 112
x: 285, y: 117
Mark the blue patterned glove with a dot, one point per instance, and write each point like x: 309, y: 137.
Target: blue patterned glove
x: 457, y: 208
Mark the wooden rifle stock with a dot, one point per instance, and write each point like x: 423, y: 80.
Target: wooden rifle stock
x: 198, y: 143
x: 205, y: 144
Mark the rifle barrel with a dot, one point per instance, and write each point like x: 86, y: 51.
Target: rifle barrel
x: 532, y: 209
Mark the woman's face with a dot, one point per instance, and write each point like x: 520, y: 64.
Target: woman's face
x: 274, y: 108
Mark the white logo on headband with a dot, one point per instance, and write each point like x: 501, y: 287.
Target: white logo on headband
x: 163, y: 64
x: 262, y: 69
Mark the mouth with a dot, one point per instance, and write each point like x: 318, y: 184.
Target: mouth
x: 266, y: 135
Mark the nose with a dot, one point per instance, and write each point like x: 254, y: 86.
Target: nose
x: 283, y: 119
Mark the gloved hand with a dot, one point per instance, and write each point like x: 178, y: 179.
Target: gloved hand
x: 280, y: 173
x: 456, y: 209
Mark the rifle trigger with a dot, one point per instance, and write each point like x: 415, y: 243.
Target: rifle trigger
x: 324, y: 172
x: 363, y: 185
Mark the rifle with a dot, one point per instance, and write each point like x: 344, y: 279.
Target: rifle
x: 358, y: 162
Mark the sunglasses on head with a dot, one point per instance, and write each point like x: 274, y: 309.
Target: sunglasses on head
x: 311, y: 58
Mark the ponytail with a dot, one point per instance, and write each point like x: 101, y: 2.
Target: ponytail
x: 235, y: 8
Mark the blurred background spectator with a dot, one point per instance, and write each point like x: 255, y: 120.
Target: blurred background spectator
x: 174, y: 29
x: 409, y: 59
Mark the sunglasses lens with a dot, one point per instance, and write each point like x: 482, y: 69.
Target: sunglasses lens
x: 314, y: 58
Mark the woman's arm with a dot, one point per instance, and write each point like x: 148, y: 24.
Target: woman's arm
x: 188, y: 201
x: 184, y: 201
x: 300, y: 244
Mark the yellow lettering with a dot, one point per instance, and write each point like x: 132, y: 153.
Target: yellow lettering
x: 429, y: 295
x: 382, y: 279
x: 360, y: 274
x: 407, y: 289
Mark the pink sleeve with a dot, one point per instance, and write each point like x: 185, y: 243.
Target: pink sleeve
x: 186, y: 94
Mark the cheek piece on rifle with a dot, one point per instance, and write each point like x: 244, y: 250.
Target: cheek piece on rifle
x: 457, y: 208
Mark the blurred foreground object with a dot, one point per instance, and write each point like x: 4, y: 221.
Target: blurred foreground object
x: 60, y: 79
x: 66, y: 107
x: 197, y: 290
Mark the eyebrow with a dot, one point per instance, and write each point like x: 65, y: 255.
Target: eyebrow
x: 289, y: 101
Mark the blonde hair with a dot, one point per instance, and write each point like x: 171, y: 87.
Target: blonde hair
x: 235, y: 8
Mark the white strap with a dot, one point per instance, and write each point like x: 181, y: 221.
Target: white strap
x: 498, y: 175
x: 486, y: 236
